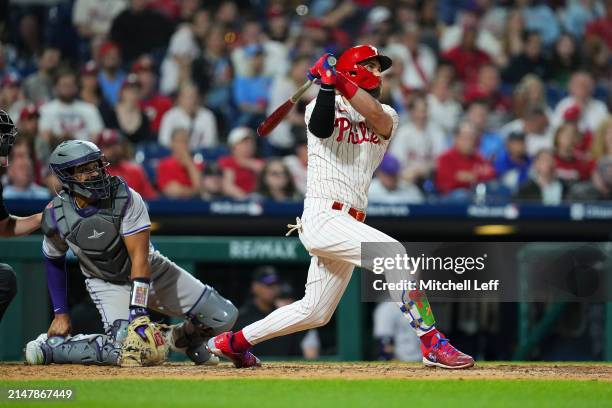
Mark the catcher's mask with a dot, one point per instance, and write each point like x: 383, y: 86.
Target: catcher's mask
x: 81, y: 168
x: 8, y: 133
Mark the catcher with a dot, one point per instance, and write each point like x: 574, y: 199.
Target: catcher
x: 106, y: 225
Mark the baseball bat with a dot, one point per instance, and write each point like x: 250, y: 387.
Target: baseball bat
x: 279, y: 113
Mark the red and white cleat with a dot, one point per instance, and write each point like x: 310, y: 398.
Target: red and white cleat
x: 443, y: 354
x: 221, y: 346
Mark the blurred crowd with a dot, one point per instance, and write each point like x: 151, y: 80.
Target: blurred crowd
x: 498, y: 100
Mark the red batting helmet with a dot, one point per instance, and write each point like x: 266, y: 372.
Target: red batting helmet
x: 348, y: 63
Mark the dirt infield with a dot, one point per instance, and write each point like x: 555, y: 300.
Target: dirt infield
x: 298, y: 370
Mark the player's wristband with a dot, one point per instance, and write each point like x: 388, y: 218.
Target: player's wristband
x: 345, y: 86
x: 139, y: 296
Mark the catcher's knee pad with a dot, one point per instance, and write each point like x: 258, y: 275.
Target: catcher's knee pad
x: 213, y: 312
x: 190, y: 339
x: 96, y: 349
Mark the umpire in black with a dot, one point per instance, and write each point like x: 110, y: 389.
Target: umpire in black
x: 10, y: 225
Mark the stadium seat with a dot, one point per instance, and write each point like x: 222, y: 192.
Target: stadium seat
x: 148, y: 154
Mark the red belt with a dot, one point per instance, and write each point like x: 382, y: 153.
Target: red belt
x: 353, y: 212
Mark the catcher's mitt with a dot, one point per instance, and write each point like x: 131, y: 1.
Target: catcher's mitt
x: 144, y: 344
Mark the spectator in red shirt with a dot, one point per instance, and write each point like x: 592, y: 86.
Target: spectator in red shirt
x: 602, y: 27
x: 110, y: 143
x: 241, y: 168
x: 487, y: 88
x: 466, y: 57
x: 461, y: 167
x: 571, y: 167
x: 179, y: 176
x: 152, y: 103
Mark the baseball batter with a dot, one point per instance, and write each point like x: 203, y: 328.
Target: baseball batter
x: 106, y: 225
x: 348, y: 133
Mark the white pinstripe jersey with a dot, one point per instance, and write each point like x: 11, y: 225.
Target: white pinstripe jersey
x: 341, y: 166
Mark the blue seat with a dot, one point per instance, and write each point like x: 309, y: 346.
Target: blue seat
x: 148, y: 154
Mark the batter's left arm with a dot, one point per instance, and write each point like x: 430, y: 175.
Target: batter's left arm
x: 376, y: 118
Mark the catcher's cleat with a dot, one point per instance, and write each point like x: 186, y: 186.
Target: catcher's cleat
x: 34, y: 351
x: 221, y: 346
x: 443, y: 354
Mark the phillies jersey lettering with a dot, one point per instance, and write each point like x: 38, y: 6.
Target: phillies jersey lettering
x: 341, y: 167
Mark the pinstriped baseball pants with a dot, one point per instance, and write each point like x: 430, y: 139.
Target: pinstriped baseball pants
x: 333, y: 239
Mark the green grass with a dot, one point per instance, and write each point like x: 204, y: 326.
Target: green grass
x: 263, y: 393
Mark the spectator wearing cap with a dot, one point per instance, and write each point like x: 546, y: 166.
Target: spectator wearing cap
x: 275, y: 56
x: 601, y: 28
x: 265, y: 289
x: 543, y: 186
x: 530, y: 61
x: 179, y: 176
x: 388, y: 186
x: 241, y: 167
x: 461, y: 168
x: 418, y: 142
x: 29, y: 131
x: 251, y: 92
x: 418, y: 60
x: 297, y: 163
x: 152, y: 103
x: 11, y: 97
x: 512, y: 165
x: 127, y: 115
x: 275, y: 183
x: 569, y: 163
x: 111, y: 76
x: 93, y: 18
x: 139, y: 30
x: 466, y: 57
x: 189, y: 114
x: 110, y: 143
x: 281, y: 140
x: 66, y: 117
x: 28, y: 123
x: 592, y: 111
x: 534, y: 124
x: 91, y: 92
x: 38, y: 87
x: 21, y: 183
x: 212, y: 182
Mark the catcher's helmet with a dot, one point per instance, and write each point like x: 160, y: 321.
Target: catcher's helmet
x: 8, y: 133
x: 72, y: 153
x: 348, y: 63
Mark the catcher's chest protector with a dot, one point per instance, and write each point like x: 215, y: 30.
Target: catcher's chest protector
x: 94, y: 234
